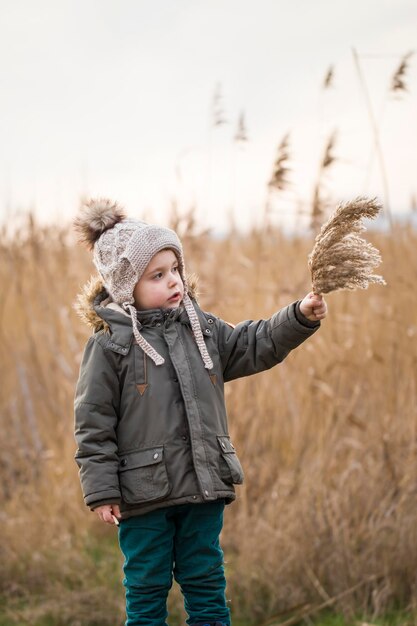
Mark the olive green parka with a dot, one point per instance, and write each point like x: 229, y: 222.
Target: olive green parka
x: 150, y: 436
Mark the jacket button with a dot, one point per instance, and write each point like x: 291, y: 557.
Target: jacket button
x: 155, y: 456
x: 194, y: 497
x: 123, y: 462
x: 210, y: 321
x: 208, y: 331
x: 206, y: 492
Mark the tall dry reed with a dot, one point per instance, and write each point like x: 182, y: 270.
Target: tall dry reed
x: 320, y: 203
x: 328, y: 439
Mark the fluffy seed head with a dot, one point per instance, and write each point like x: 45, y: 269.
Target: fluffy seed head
x: 340, y: 258
x: 95, y: 217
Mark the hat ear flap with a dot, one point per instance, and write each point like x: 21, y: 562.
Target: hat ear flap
x: 123, y: 282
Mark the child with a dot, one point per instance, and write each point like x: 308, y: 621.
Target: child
x: 150, y: 421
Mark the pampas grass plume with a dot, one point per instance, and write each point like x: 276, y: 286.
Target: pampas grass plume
x: 340, y: 259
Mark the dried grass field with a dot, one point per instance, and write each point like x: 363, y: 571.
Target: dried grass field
x: 328, y: 439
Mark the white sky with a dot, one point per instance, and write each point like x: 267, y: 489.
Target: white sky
x: 112, y: 97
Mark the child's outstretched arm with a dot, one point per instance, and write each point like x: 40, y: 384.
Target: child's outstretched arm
x: 255, y: 346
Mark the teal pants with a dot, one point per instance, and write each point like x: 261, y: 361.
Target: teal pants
x: 179, y: 541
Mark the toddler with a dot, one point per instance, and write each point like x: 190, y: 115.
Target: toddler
x: 153, y: 446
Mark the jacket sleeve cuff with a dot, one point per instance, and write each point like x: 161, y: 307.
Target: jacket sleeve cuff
x: 302, y: 319
x: 96, y: 504
x: 109, y: 496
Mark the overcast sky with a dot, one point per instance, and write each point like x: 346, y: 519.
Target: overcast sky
x: 113, y: 97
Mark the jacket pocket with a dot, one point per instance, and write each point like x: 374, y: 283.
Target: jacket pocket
x: 143, y: 476
x: 231, y: 471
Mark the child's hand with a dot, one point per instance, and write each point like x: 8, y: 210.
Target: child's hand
x: 107, y: 513
x: 313, y: 307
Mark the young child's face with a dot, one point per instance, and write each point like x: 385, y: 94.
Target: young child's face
x: 160, y: 285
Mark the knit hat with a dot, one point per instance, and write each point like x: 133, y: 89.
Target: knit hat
x: 122, y: 249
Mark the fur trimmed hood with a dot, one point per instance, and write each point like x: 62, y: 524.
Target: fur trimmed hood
x: 94, y: 295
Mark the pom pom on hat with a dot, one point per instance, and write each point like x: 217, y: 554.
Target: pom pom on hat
x: 95, y: 217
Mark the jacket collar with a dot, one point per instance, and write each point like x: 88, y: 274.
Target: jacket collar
x: 153, y: 317
x: 113, y: 319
